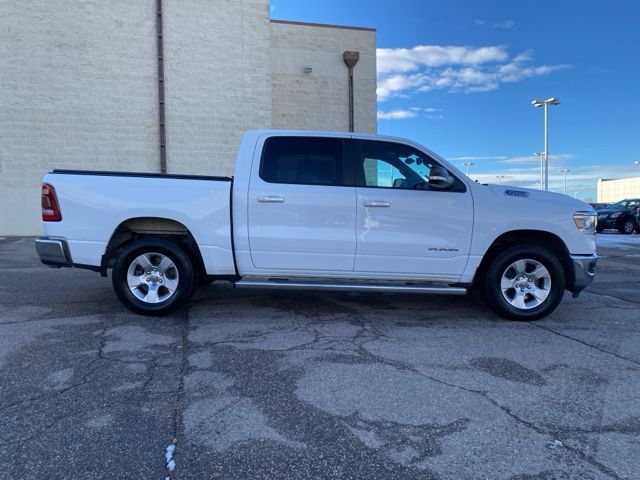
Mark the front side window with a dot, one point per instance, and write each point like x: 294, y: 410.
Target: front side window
x: 394, y: 165
x: 303, y: 160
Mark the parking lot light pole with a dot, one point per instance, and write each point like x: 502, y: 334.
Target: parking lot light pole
x: 499, y: 178
x: 540, y: 155
x: 564, y: 171
x: 469, y: 165
x: 545, y: 104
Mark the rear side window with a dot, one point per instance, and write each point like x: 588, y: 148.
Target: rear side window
x: 303, y: 160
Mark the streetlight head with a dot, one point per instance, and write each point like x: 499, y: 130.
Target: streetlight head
x: 548, y: 101
x: 539, y: 154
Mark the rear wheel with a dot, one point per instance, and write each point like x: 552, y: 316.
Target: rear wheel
x: 153, y: 276
x: 524, y: 282
x: 627, y: 227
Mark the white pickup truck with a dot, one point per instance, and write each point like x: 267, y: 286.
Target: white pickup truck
x: 321, y: 211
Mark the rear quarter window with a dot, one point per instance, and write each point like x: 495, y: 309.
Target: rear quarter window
x: 303, y: 160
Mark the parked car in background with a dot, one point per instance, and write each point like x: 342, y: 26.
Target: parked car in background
x: 620, y: 216
x: 599, y: 206
x: 321, y: 211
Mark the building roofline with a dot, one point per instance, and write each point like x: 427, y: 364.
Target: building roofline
x: 619, y: 178
x: 323, y: 25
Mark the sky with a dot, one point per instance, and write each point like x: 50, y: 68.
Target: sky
x: 459, y: 77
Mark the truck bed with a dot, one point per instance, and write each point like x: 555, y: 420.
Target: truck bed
x: 95, y: 203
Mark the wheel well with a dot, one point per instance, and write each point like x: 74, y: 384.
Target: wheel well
x: 534, y: 237
x: 135, y: 228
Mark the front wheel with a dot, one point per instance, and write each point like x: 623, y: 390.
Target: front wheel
x: 153, y: 276
x: 627, y: 227
x: 524, y: 282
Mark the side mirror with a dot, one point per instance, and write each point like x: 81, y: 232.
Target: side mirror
x: 440, y: 178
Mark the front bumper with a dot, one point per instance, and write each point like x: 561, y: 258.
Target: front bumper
x: 584, y: 267
x: 53, y: 252
x: 607, y: 222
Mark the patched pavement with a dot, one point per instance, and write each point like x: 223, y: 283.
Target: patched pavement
x: 275, y: 384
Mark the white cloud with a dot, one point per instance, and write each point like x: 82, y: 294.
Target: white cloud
x: 396, y: 114
x: 531, y: 159
x: 412, y: 112
x: 472, y: 158
x: 411, y: 59
x: 424, y: 68
x: 505, y: 25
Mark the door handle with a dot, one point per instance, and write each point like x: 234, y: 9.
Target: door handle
x: 270, y: 199
x: 377, y: 203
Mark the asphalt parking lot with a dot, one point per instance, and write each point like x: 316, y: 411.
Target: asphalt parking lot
x: 261, y: 384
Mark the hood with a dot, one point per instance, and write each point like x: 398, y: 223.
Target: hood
x: 609, y: 211
x: 552, y: 199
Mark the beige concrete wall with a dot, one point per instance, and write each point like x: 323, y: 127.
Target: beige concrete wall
x: 618, y: 189
x: 319, y: 100
x: 76, y: 91
x: 78, y: 88
x: 217, y: 80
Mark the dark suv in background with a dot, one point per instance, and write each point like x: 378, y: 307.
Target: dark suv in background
x: 620, y: 215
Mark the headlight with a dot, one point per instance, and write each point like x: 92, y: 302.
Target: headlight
x: 615, y: 215
x: 586, y: 221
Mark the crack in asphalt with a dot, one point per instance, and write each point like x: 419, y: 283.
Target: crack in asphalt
x: 483, y: 394
x: 85, y: 379
x: 183, y: 347
x: 586, y: 344
x: 607, y: 295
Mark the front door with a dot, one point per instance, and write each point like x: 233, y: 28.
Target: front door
x: 404, y: 227
x: 301, y: 214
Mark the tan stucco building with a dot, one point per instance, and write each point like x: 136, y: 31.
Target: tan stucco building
x: 616, y: 189
x: 79, y: 87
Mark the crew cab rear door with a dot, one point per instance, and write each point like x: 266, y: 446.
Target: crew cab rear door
x: 301, y: 206
x: 406, y: 228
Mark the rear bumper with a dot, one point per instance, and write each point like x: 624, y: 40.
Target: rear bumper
x: 53, y: 252
x: 584, y: 267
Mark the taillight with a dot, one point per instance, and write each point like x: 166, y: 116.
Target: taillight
x: 50, y: 206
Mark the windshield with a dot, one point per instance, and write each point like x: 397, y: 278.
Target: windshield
x: 618, y: 205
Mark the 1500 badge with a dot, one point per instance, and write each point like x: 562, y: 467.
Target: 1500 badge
x: 436, y: 249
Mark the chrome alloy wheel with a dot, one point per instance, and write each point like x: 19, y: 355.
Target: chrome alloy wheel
x: 525, y: 284
x: 152, y: 277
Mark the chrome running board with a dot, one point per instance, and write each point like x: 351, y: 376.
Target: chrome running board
x: 351, y: 286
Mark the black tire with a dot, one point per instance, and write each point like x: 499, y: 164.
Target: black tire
x: 491, y: 291
x: 599, y: 229
x: 627, y: 227
x: 186, y: 276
